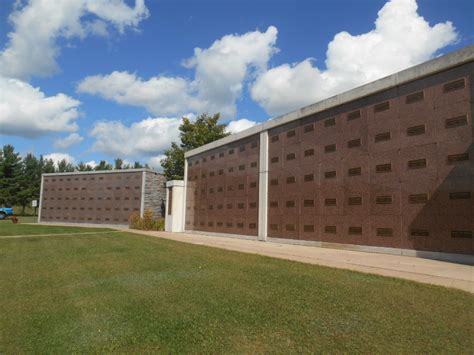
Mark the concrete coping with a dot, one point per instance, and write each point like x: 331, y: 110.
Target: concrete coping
x: 173, y: 183
x: 430, y: 67
x: 114, y: 171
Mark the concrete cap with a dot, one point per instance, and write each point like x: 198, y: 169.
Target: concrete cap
x: 172, y: 183
x: 114, y: 171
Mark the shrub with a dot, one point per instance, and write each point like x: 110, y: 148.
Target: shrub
x: 147, y: 222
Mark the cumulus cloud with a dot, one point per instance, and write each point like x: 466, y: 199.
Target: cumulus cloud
x: 155, y: 162
x: 26, y: 111
x: 149, y: 137
x: 401, y: 39
x: 92, y: 163
x: 32, y: 49
x: 239, y: 125
x: 160, y: 95
x: 220, y: 73
x: 57, y: 157
x: 70, y: 140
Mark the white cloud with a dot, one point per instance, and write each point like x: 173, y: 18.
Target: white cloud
x: 57, y: 157
x: 222, y: 68
x: 149, y: 137
x: 66, y: 142
x: 32, y: 48
x: 26, y: 111
x: 220, y: 72
x: 155, y: 162
x: 401, y: 39
x: 239, y: 125
x: 92, y: 164
x: 160, y: 95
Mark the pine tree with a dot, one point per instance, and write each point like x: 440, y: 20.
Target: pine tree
x: 10, y: 174
x: 83, y: 167
x: 119, y: 164
x: 65, y: 167
x: 48, y: 166
x: 30, y: 181
x: 103, y: 165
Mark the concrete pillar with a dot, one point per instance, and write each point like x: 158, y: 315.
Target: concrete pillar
x: 40, y: 208
x: 142, y: 199
x: 174, y: 210
x: 185, y: 191
x: 263, y: 188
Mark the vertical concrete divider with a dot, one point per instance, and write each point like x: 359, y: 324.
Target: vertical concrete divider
x: 263, y: 187
x: 142, y: 198
x: 41, y: 200
x: 174, y: 209
x: 185, y: 191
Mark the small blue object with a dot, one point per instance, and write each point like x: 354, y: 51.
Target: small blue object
x: 5, y: 212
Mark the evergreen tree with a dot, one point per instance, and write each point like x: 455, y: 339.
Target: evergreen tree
x: 119, y: 164
x: 48, y: 166
x: 65, y: 167
x: 103, y: 165
x: 30, y: 181
x: 84, y: 167
x: 10, y: 175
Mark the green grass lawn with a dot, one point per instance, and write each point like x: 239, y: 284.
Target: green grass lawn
x: 131, y: 293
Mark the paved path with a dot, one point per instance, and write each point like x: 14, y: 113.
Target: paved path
x: 411, y: 268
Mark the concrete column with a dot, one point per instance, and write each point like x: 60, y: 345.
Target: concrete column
x: 185, y: 191
x: 41, y: 200
x: 142, y: 202
x: 175, y: 208
x: 263, y: 188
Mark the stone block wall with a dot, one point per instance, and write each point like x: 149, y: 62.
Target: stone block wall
x: 155, y: 193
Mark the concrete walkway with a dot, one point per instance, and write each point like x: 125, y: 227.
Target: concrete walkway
x: 410, y: 268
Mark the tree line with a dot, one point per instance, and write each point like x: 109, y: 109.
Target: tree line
x: 20, y: 177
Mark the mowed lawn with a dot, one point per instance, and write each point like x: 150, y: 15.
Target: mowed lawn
x: 124, y: 292
x: 27, y: 226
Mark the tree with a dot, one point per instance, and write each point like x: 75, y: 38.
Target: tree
x: 30, y: 181
x: 65, y: 167
x: 84, y: 167
x: 205, y: 129
x: 103, y: 165
x: 173, y: 164
x: 119, y: 164
x: 48, y: 166
x: 10, y: 173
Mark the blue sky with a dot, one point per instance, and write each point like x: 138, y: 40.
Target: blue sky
x: 59, y: 95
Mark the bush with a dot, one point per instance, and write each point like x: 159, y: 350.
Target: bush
x: 147, y: 222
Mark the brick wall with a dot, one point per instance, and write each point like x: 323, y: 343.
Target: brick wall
x: 394, y: 169
x: 102, y: 198
x: 222, y: 189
